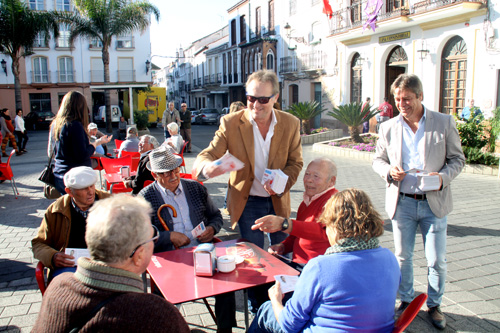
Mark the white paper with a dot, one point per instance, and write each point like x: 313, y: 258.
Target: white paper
x: 429, y: 183
x: 200, y: 228
x: 77, y: 253
x: 287, y: 282
x: 277, y: 178
x: 229, y: 163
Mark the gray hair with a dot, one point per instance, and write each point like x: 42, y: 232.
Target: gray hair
x: 407, y: 81
x: 265, y: 76
x: 152, y: 140
x: 173, y: 127
x: 332, y: 167
x: 115, y: 226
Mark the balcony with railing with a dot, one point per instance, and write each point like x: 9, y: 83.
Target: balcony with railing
x: 65, y: 76
x: 288, y: 65
x: 97, y: 76
x: 219, y: 77
x: 354, y: 16
x: 311, y: 61
x: 126, y: 75
x: 40, y: 77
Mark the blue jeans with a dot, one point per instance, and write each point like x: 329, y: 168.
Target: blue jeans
x: 265, y: 320
x: 410, y: 214
x: 256, y: 208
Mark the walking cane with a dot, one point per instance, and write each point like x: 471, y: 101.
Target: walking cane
x: 174, y: 214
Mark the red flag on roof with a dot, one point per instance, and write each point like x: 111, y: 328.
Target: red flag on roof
x: 327, y: 9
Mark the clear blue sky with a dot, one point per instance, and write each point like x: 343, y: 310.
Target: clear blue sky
x: 183, y: 21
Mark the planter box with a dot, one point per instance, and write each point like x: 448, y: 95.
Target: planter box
x: 318, y: 137
x: 324, y: 147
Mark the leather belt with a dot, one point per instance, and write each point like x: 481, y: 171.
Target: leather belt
x: 414, y: 196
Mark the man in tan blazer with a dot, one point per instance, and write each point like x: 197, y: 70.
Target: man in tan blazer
x: 419, y: 139
x: 261, y: 137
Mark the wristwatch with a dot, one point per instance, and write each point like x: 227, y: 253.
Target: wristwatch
x: 285, y: 224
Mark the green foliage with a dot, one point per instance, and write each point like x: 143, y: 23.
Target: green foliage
x: 352, y: 116
x: 471, y: 133
x: 141, y: 119
x: 476, y: 156
x: 306, y: 111
x: 494, y: 129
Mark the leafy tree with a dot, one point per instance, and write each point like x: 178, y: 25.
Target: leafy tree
x: 306, y: 111
x: 19, y: 27
x: 352, y: 116
x: 103, y: 20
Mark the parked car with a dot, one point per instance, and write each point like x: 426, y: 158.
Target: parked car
x: 207, y: 116
x: 38, y: 120
x: 116, y: 113
x: 194, y: 114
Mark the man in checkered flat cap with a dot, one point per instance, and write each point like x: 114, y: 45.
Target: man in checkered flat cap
x: 192, y: 205
x: 63, y: 225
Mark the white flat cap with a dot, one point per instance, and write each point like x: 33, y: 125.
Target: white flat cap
x: 80, y: 177
x: 92, y: 126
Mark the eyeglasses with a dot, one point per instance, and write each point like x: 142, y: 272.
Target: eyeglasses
x: 262, y: 100
x: 184, y: 106
x: 169, y: 173
x: 156, y: 235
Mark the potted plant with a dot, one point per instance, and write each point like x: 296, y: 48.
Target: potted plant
x: 352, y: 116
x: 305, y: 111
x: 141, y: 121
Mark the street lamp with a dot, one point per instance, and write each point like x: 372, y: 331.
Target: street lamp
x: 4, y: 66
x: 288, y: 29
x: 148, y: 66
x: 423, y: 52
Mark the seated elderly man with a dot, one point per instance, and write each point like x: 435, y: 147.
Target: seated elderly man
x: 63, y: 225
x: 94, y: 134
x: 307, y: 238
x: 106, y: 292
x: 136, y: 183
x: 131, y: 144
x: 175, y: 141
x: 192, y: 205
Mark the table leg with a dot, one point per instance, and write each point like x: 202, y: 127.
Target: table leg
x: 245, y: 301
x: 210, y: 310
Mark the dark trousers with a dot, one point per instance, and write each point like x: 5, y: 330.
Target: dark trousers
x: 22, y: 139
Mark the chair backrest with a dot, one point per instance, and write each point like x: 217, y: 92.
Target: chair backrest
x: 113, y: 165
x: 136, y: 157
x: 97, y: 162
x: 183, y: 148
x: 118, y: 143
x: 40, y: 277
x: 147, y: 183
x: 409, y: 313
x: 188, y: 176
x: 7, y: 173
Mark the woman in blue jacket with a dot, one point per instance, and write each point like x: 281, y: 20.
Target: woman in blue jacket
x: 69, y: 130
x: 352, y: 287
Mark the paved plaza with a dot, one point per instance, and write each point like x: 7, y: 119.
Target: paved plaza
x: 471, y: 302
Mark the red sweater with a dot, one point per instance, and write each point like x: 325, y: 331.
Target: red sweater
x: 308, y: 238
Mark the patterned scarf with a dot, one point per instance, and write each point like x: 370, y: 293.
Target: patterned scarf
x: 353, y: 244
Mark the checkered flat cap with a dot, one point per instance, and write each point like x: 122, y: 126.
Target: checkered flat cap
x: 162, y: 159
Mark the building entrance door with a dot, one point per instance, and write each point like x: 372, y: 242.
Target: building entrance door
x: 397, y: 63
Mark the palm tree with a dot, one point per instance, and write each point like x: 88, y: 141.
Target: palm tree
x: 352, y: 116
x: 103, y: 20
x: 19, y: 28
x: 306, y: 111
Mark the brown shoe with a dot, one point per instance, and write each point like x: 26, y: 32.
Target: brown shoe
x: 437, y: 317
x: 19, y: 153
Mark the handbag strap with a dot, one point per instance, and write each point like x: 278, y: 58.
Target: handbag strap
x: 94, y: 311
x: 51, y: 157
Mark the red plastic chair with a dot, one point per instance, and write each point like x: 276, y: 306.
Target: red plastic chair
x: 409, y: 313
x: 113, y: 165
x: 188, y: 176
x: 183, y: 164
x: 7, y: 174
x: 118, y: 143
x: 183, y: 148
x: 98, y: 167
x: 41, y: 278
x: 147, y: 183
x: 136, y: 157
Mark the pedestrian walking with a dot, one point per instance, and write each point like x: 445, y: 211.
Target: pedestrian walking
x: 386, y: 112
x: 7, y: 130
x: 185, y: 129
x: 170, y: 115
x: 20, y: 131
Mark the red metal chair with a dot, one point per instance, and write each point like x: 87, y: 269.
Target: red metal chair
x: 113, y: 165
x: 7, y: 174
x: 183, y: 148
x: 118, y: 143
x: 188, y: 176
x: 98, y: 166
x: 136, y: 157
x: 409, y: 313
x: 41, y: 278
x: 183, y: 164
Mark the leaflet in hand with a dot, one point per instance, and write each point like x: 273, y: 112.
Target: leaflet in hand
x: 77, y: 253
x: 200, y: 228
x: 426, y: 182
x: 287, y: 282
x: 229, y: 163
x: 277, y: 178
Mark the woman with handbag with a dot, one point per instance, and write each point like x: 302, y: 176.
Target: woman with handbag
x: 69, y: 130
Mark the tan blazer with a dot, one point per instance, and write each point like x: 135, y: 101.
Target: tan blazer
x: 235, y: 135
x: 443, y: 154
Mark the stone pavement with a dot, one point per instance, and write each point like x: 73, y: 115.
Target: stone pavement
x: 472, y: 298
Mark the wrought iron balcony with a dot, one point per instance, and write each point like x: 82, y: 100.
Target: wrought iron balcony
x: 126, y: 76
x: 40, y: 76
x: 66, y: 76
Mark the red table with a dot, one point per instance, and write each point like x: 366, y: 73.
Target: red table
x: 173, y: 273
x: 114, y: 178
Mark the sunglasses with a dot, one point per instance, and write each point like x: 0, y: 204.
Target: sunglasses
x: 156, y: 235
x: 262, y: 100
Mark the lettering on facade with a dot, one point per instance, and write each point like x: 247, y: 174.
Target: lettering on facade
x: 393, y: 37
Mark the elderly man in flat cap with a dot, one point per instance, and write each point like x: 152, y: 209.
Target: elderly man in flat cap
x: 120, y: 241
x: 192, y: 205
x: 64, y: 222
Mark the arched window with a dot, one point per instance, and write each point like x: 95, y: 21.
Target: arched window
x: 453, y: 76
x: 65, y: 72
x: 356, y: 75
x: 40, y: 73
x: 270, y: 60
x: 258, y: 61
